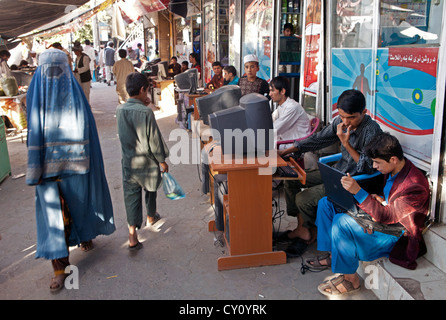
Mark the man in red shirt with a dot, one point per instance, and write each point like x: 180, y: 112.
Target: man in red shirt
x: 217, y: 80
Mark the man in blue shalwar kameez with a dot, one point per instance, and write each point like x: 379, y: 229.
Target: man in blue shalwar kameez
x: 73, y: 203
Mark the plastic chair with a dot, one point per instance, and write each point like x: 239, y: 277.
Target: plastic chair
x: 314, y: 123
x: 335, y: 157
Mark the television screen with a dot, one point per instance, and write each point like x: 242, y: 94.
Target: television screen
x: 229, y: 128
x: 259, y: 118
x: 182, y: 80
x: 221, y: 99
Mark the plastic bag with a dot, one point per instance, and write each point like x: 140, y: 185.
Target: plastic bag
x: 171, y: 187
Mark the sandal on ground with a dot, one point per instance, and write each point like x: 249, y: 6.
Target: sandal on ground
x: 329, y: 288
x: 155, y: 219
x: 87, y: 245
x: 57, y: 283
x: 296, y: 248
x: 135, y: 247
x: 315, y: 262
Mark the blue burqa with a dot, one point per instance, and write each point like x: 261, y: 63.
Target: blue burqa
x: 64, y: 159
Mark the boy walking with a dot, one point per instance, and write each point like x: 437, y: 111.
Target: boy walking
x: 121, y: 69
x: 144, y: 154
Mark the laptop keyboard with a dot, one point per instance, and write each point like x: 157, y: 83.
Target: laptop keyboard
x: 286, y: 171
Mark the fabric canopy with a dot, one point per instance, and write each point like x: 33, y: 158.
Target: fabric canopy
x: 19, y: 17
x: 22, y: 16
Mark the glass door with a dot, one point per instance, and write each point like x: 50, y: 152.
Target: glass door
x: 258, y: 33
x: 209, y: 39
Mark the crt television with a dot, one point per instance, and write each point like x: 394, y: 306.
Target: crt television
x: 162, y: 70
x: 223, y: 98
x: 183, y: 80
x: 246, y: 128
x: 259, y: 118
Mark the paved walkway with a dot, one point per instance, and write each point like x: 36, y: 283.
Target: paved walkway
x: 178, y: 260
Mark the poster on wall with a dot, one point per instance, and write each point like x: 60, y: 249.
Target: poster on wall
x: 405, y: 93
x: 312, y: 45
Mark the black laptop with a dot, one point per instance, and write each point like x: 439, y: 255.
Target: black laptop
x: 341, y: 198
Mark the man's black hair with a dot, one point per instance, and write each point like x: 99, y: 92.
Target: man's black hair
x: 384, y: 146
x: 5, y: 53
x: 280, y: 83
x: 134, y: 82
x: 288, y: 26
x: 122, y: 53
x: 351, y: 101
x: 195, y: 56
x: 216, y: 63
x: 230, y: 69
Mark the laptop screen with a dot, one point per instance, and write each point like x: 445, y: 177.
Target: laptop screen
x: 334, y: 190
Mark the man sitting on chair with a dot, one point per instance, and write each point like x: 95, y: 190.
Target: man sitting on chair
x: 353, y: 129
x: 404, y: 200
x: 289, y: 119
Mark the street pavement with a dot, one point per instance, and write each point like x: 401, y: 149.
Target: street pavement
x: 178, y: 261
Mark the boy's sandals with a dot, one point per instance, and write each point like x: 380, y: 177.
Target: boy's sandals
x: 152, y: 220
x: 135, y: 247
x: 315, y: 263
x: 57, y: 283
x: 330, y: 287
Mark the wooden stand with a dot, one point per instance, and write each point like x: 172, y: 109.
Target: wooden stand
x: 192, y: 98
x: 248, y: 212
x: 167, y: 101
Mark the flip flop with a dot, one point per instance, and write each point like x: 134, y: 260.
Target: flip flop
x: 135, y: 247
x: 57, y: 283
x: 156, y: 218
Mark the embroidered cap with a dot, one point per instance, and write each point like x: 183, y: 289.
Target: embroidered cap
x: 250, y: 58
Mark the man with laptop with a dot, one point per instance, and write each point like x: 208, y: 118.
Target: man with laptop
x: 403, y: 203
x: 353, y: 129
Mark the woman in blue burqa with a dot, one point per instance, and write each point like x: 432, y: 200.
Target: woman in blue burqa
x: 73, y: 203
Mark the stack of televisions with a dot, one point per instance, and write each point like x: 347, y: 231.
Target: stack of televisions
x: 226, y: 109
x: 229, y: 114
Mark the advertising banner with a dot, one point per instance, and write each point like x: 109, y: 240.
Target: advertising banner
x: 405, y: 91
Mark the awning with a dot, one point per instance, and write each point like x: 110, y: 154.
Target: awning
x: 22, y: 16
x: 19, y: 17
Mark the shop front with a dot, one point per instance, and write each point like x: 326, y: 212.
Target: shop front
x: 389, y: 50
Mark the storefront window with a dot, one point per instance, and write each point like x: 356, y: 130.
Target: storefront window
x: 389, y: 51
x: 410, y: 22
x: 209, y: 40
x: 353, y: 23
x: 235, y: 32
x: 257, y: 34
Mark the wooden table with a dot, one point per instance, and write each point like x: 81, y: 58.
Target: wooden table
x: 247, y: 211
x: 167, y: 92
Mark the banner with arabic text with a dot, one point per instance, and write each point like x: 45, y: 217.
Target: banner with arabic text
x: 405, y: 91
